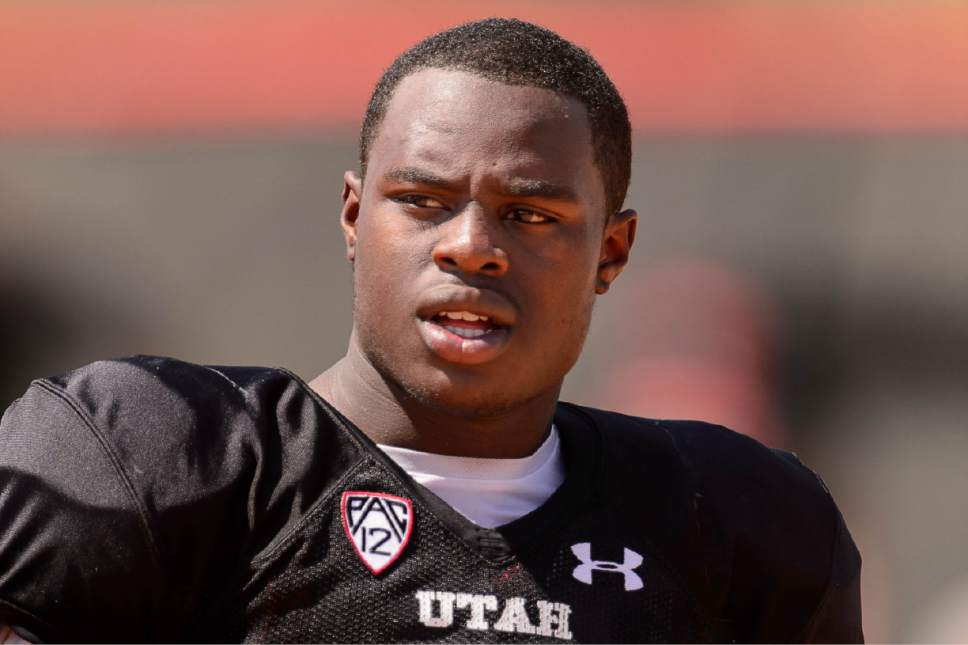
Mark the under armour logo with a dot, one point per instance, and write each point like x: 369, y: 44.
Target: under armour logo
x: 583, y: 572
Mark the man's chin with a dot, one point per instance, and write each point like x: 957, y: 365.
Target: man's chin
x: 470, y: 398
x: 467, y: 403
x: 462, y: 391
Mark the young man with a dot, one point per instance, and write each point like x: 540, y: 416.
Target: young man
x: 429, y: 486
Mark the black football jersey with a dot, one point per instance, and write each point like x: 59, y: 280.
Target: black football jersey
x: 148, y: 499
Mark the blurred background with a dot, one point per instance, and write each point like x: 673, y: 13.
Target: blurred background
x: 170, y: 173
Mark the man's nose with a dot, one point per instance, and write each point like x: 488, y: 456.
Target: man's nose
x: 468, y: 244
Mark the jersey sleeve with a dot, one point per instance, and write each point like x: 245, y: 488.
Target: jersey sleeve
x: 793, y: 570
x: 796, y: 570
x: 77, y: 560
x: 837, y: 615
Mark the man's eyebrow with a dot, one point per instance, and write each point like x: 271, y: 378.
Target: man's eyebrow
x: 521, y: 187
x: 515, y: 187
x: 411, y: 175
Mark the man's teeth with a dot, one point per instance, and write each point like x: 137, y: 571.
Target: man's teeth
x: 464, y: 332
x: 462, y: 315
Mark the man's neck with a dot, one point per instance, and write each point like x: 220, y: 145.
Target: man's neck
x: 390, y: 416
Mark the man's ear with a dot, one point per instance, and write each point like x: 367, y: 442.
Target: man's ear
x: 352, y: 194
x: 617, y: 241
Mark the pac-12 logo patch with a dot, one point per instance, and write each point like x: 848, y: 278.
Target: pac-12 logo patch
x: 378, y: 526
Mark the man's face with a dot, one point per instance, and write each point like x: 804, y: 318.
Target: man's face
x: 477, y: 239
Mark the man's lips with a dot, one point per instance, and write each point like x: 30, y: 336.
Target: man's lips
x: 454, y: 347
x: 455, y: 299
x: 465, y: 325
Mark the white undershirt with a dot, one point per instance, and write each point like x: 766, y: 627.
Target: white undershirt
x: 9, y: 637
x: 488, y: 492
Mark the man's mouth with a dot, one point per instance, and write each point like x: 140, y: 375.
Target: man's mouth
x: 465, y: 324
x: 464, y: 337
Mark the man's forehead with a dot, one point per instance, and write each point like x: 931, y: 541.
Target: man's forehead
x: 445, y: 84
x: 454, y: 101
x: 441, y: 116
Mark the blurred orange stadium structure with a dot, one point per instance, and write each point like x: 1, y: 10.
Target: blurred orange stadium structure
x: 739, y: 66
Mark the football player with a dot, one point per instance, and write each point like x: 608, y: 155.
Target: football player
x: 429, y: 486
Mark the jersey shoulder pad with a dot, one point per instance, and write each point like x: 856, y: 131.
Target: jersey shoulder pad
x: 77, y: 540
x: 205, y: 465
x: 757, y: 515
x: 738, y: 474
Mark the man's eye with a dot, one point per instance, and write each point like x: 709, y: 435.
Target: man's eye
x: 420, y: 201
x: 526, y: 216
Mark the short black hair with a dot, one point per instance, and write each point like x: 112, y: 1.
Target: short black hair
x: 521, y: 53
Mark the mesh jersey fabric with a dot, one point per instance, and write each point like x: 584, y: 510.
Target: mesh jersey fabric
x: 148, y: 499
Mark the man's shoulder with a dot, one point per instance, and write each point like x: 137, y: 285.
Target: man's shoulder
x: 143, y: 411
x: 722, y: 505
x: 722, y: 485
x: 165, y: 400
x: 159, y: 480
x: 161, y: 382
x: 168, y: 425
x: 709, y: 456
